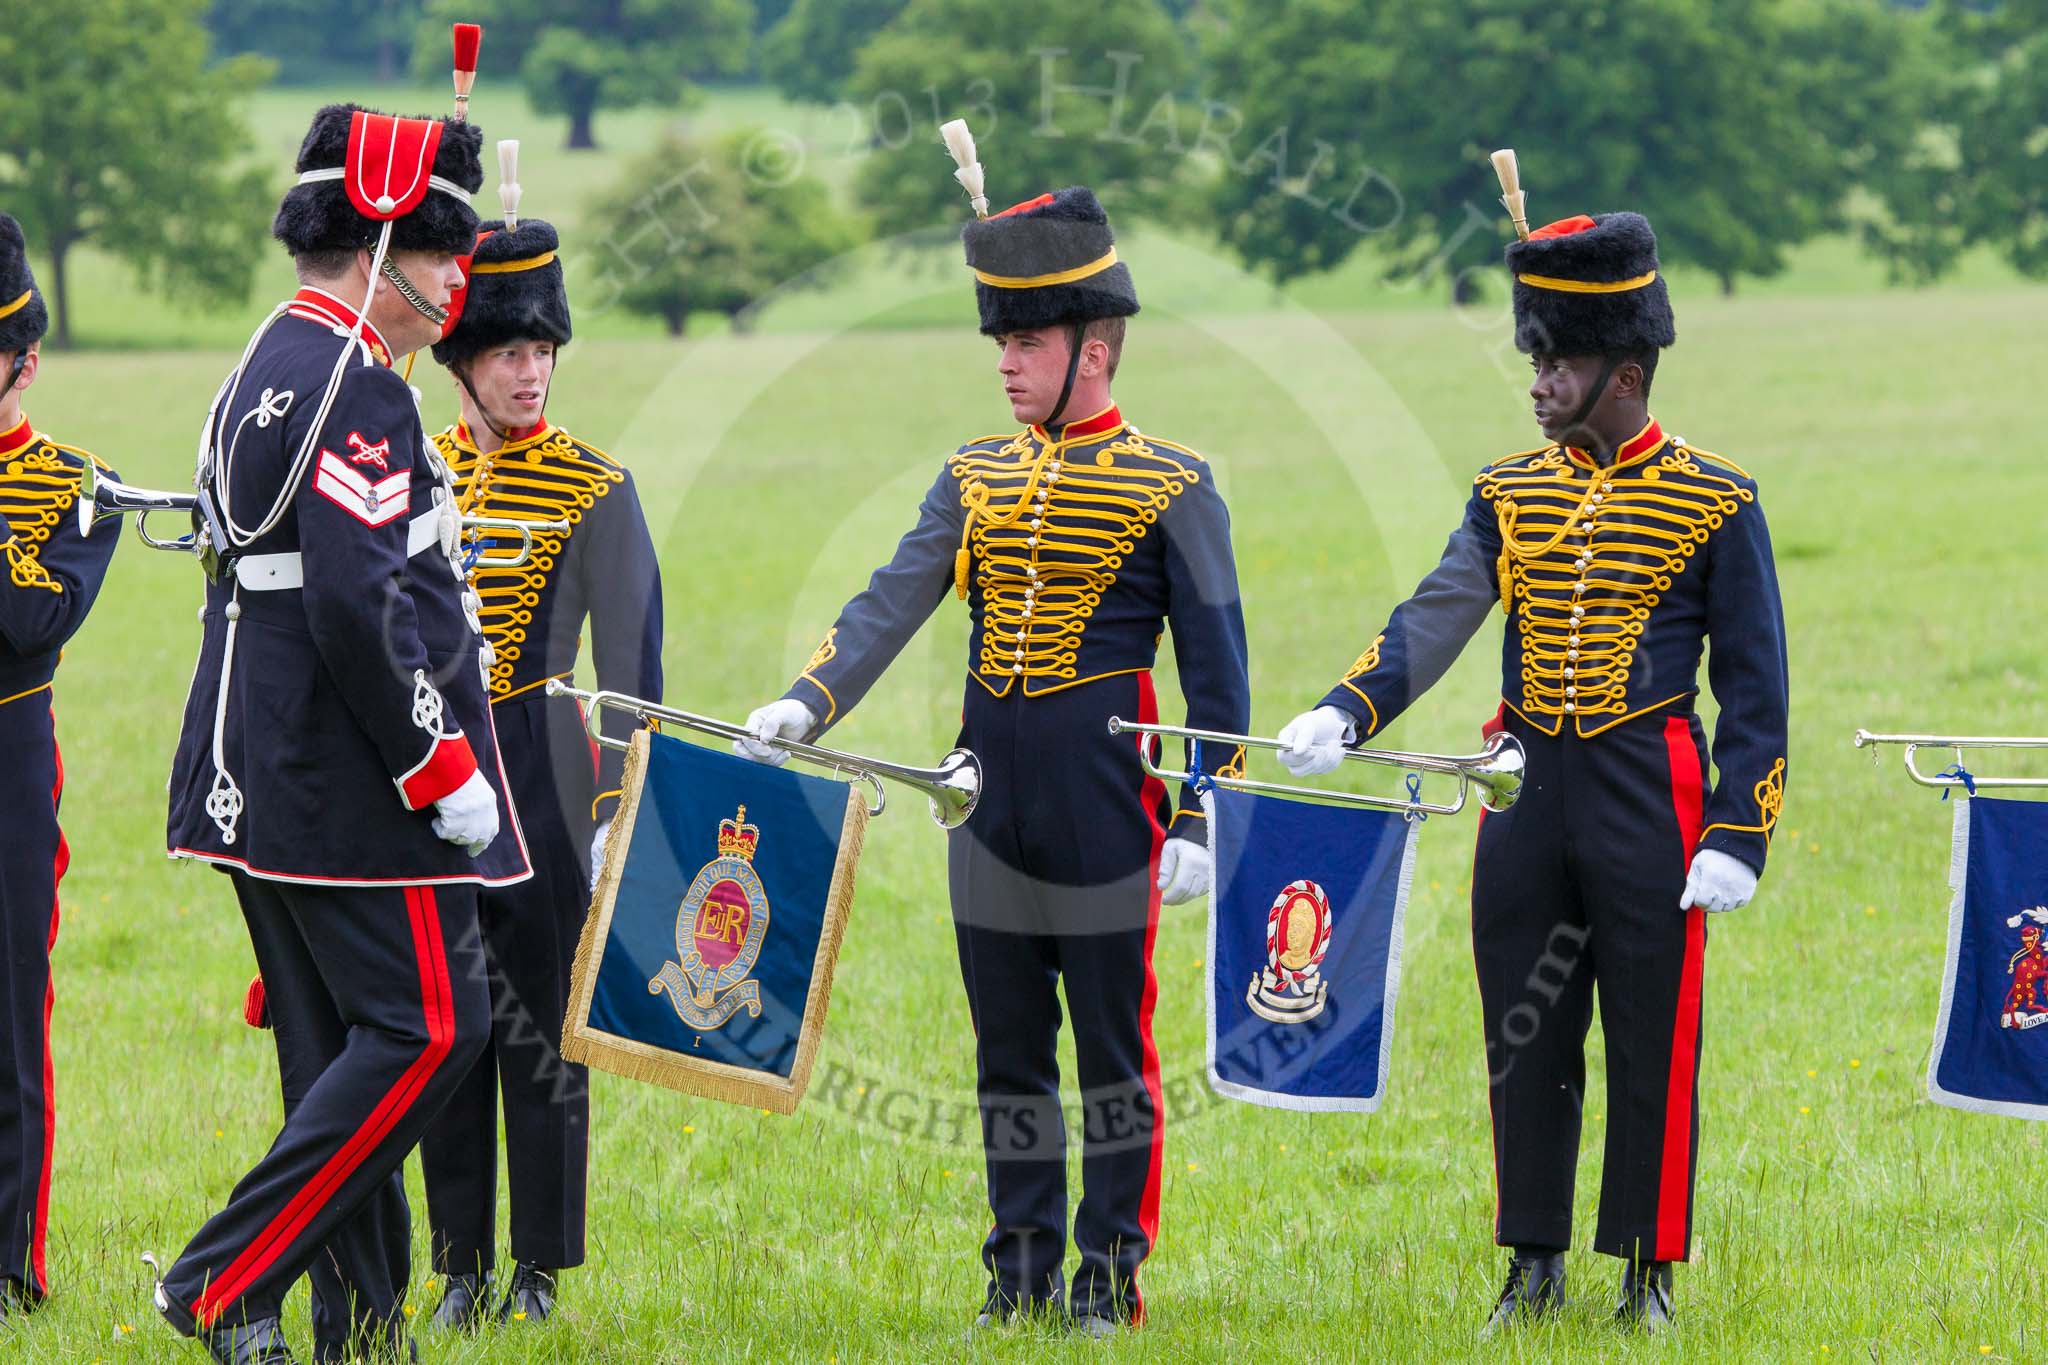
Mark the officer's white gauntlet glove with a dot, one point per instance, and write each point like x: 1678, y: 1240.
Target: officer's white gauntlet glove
x: 468, y: 815
x: 1718, y: 881
x: 604, y: 834
x: 1183, y: 871
x: 1313, y: 742
x: 783, y: 719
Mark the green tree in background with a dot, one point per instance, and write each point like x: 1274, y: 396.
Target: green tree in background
x: 1060, y: 92
x: 309, y: 38
x: 1977, y: 174
x: 120, y: 134
x: 710, y: 228
x: 1339, y: 122
x: 810, y: 52
x: 577, y: 56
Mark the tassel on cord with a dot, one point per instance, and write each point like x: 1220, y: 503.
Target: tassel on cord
x: 468, y: 38
x: 960, y: 143
x: 1511, y: 197
x: 508, y: 180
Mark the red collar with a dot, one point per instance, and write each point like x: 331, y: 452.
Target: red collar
x: 464, y: 435
x: 317, y: 305
x: 1108, y: 420
x: 1645, y: 442
x: 16, y: 439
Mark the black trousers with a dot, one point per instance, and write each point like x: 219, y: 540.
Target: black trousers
x: 529, y: 936
x: 378, y: 1000
x: 1051, y: 879
x: 33, y: 857
x: 1575, y: 893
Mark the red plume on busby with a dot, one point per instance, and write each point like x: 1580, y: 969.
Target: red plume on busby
x: 23, y: 318
x: 468, y: 39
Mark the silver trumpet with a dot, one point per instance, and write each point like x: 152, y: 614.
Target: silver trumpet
x: 525, y: 530
x: 952, y: 788
x: 101, y: 496
x: 1496, y: 770
x: 1955, y: 744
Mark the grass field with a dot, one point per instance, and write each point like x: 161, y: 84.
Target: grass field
x: 1840, y: 1215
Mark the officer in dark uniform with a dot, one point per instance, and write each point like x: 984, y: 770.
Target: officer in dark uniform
x: 1618, y: 553
x: 52, y: 575
x: 510, y: 461
x: 337, y: 758
x: 1075, y: 541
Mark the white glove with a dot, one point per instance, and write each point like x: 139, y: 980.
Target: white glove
x: 604, y: 834
x: 784, y: 719
x: 1183, y: 871
x: 1718, y: 881
x: 1313, y: 742
x: 468, y: 815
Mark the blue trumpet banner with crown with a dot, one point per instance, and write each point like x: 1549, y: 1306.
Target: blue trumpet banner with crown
x: 1305, y: 948
x: 706, y: 960
x: 1990, y: 1047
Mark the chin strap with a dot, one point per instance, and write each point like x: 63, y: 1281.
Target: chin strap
x: 432, y: 312
x: 1608, y: 366
x: 504, y: 434
x: 14, y: 371
x: 1079, y: 331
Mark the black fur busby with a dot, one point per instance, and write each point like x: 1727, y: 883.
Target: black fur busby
x: 319, y: 216
x: 509, y: 297
x: 1591, y: 286
x: 1063, y: 234
x: 23, y: 319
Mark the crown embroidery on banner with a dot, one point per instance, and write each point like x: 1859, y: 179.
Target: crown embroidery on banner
x: 737, y: 838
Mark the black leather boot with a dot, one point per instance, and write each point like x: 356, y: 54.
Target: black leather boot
x: 465, y: 1303
x: 531, y: 1295
x: 1534, y: 1289
x: 260, y: 1342
x: 1645, y: 1297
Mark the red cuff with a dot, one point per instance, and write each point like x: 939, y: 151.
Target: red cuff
x: 447, y: 766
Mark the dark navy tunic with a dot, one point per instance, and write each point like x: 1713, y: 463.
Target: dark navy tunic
x: 340, y: 685
x: 1615, y: 580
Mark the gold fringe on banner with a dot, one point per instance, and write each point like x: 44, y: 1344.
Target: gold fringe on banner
x: 640, y: 1061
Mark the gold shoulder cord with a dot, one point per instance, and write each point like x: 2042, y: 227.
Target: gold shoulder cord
x: 37, y: 490
x: 1507, y: 513
x: 974, y: 496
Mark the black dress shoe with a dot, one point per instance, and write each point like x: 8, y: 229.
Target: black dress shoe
x: 1534, y: 1289
x: 531, y: 1295
x: 1096, y: 1326
x: 259, y: 1342
x: 465, y: 1303
x: 1645, y: 1297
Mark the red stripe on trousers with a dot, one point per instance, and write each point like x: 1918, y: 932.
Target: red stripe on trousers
x: 39, y: 1229
x: 438, y: 1009
x: 1151, y: 793
x: 1674, y: 1193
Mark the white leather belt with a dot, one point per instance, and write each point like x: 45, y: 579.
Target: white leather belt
x: 275, y: 573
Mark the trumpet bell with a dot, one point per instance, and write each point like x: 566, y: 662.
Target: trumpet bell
x: 101, y: 496
x: 953, y: 788
x: 1497, y: 770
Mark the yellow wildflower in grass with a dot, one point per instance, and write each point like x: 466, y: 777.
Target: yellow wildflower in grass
x: 1805, y: 1109
x: 689, y: 1127
x: 1855, y: 1062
